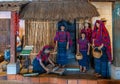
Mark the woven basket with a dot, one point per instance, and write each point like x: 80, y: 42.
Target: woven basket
x: 96, y: 54
x: 79, y: 56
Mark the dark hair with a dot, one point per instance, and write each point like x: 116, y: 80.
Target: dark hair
x: 62, y: 23
x: 83, y: 33
x: 89, y: 25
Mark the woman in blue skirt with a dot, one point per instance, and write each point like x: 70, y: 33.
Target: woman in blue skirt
x: 62, y: 40
x: 42, y: 60
x: 101, y: 41
x: 83, y: 48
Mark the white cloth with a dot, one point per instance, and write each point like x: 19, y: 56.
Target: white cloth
x: 18, y: 39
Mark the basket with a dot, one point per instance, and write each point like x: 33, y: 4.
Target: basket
x: 97, y: 53
x: 79, y: 56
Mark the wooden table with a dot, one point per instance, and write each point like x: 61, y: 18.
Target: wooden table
x: 26, y: 54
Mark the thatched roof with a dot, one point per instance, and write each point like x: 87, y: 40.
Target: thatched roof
x: 104, y: 0
x: 55, y: 10
x: 11, y: 5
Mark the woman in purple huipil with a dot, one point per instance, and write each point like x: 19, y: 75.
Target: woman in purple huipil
x: 62, y: 41
x: 83, y: 47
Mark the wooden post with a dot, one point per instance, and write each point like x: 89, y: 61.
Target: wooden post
x: 116, y: 34
x: 13, y: 29
x: 115, y: 69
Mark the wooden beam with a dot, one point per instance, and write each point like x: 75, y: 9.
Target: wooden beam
x: 12, y: 6
x: 14, y: 26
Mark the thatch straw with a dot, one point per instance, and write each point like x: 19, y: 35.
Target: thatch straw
x: 57, y: 10
x: 11, y: 5
x: 104, y: 0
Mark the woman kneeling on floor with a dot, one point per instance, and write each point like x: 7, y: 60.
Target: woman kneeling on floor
x: 42, y: 60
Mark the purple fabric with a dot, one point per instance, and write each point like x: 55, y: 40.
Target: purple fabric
x: 62, y: 36
x: 83, y: 44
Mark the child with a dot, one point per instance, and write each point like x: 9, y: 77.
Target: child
x: 83, y: 48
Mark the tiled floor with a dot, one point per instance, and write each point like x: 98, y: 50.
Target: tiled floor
x: 55, y: 79
x: 68, y: 78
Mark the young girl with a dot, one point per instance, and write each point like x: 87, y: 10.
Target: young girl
x: 42, y: 60
x: 83, y: 48
x: 62, y: 40
x: 88, y: 31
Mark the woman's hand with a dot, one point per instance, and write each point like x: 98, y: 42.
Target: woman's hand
x: 55, y: 49
x: 47, y: 70
x: 93, y: 45
x: 100, y: 47
x: 78, y: 52
x: 88, y: 53
x: 67, y: 47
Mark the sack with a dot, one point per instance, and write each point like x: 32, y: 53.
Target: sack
x: 79, y: 56
x: 97, y: 53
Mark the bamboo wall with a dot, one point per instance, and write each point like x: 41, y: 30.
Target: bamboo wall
x: 39, y: 33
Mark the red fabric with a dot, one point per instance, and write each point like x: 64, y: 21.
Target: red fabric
x: 41, y: 55
x: 101, y: 35
x: 15, y: 17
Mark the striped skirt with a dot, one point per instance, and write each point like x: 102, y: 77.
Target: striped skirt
x: 101, y: 64
x: 61, y: 55
x: 85, y: 61
x: 37, y: 68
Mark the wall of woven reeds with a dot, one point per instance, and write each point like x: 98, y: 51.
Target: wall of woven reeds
x: 39, y: 33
